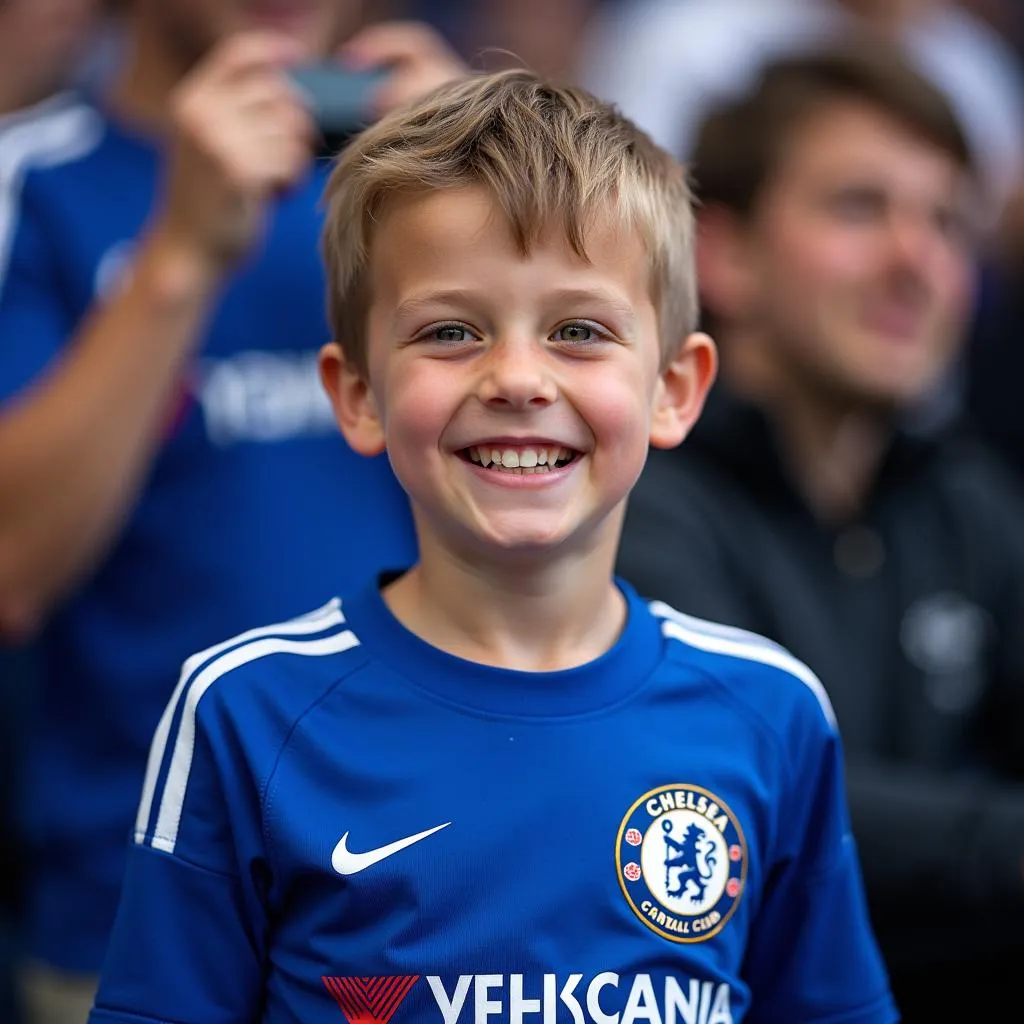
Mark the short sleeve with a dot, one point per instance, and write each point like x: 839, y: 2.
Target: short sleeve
x: 812, y: 954
x: 36, y: 314
x: 34, y: 319
x: 189, y: 940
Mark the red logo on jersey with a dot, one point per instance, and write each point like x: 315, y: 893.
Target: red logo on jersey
x: 370, y: 1000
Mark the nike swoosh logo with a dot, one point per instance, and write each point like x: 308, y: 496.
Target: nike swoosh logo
x: 345, y: 862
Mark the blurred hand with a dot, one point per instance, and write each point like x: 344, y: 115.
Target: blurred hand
x: 239, y: 135
x: 420, y: 59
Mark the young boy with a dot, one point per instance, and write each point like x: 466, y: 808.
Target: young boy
x: 498, y: 785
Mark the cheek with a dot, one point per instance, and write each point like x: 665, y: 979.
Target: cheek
x: 956, y: 285
x: 618, y: 410
x: 414, y: 410
x: 816, y: 261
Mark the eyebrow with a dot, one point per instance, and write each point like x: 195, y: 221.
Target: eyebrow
x: 601, y: 296
x: 416, y: 304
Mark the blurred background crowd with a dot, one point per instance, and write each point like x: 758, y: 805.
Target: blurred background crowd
x: 854, y: 491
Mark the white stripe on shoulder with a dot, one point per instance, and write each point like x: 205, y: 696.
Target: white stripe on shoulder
x: 313, y: 622
x: 739, y: 643
x: 165, y: 833
x: 59, y: 132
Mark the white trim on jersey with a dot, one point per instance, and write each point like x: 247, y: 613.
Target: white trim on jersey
x: 52, y: 133
x: 165, y: 833
x: 739, y: 643
x: 313, y: 622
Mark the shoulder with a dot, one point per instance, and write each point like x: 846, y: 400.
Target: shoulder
x: 697, y: 484
x: 689, y: 499
x: 272, y: 672
x: 236, y: 703
x: 760, y: 675
x: 53, y: 134
x: 976, y: 481
x: 41, y: 149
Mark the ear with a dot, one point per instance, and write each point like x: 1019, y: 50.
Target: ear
x: 354, y: 406
x: 681, y: 391
x: 724, y: 268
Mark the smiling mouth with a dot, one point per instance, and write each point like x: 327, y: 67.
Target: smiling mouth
x: 522, y: 460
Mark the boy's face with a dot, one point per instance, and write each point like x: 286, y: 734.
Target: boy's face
x: 855, y: 269
x: 516, y: 396
x: 194, y: 26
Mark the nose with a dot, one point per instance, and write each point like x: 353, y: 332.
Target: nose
x: 517, y: 374
x: 913, y: 238
x: 914, y: 245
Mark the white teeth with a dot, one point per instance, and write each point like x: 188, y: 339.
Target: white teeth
x: 521, y: 460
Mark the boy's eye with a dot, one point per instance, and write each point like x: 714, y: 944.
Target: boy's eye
x: 450, y: 332
x: 576, y: 333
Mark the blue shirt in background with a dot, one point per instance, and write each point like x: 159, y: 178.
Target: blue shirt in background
x: 254, y: 508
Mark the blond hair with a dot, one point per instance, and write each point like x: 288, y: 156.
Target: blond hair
x: 548, y: 155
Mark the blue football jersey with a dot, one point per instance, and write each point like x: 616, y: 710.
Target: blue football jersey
x: 253, y: 510
x: 343, y: 824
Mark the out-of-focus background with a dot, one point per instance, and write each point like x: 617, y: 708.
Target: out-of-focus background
x: 669, y: 64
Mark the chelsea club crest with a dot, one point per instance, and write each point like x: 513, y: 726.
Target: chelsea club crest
x: 681, y: 860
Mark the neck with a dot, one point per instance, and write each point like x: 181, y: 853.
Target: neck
x: 542, y: 614
x: 833, y: 445
x: 141, y: 91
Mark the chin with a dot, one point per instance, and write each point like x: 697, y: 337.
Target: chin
x: 883, y: 385
x: 520, y: 541
x: 522, y: 544
x: 889, y: 401
x: 902, y: 391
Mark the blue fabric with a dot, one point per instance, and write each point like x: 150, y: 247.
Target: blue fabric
x: 339, y: 817
x: 254, y: 507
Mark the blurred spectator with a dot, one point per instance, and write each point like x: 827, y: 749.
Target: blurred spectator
x: 17, y: 676
x: 667, y: 62
x: 995, y: 359
x: 161, y: 421
x: 1005, y: 16
x: 492, y: 34
x: 995, y: 365
x: 835, y: 267
x: 41, y: 43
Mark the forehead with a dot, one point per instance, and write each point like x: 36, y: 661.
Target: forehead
x: 850, y: 140
x: 460, y: 238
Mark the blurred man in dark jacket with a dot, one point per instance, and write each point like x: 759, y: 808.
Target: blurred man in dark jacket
x: 810, y: 505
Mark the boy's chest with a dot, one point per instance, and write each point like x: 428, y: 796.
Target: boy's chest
x: 526, y: 873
